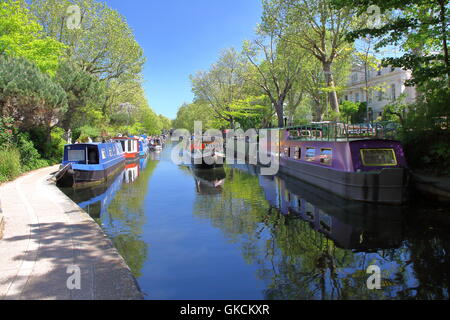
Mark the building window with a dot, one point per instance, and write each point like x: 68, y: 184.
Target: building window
x: 392, y: 69
x: 356, y: 97
x: 393, y: 94
x: 326, y: 157
x: 380, y: 95
x: 354, y: 77
x: 346, y: 98
x: 310, y: 154
x: 379, y: 71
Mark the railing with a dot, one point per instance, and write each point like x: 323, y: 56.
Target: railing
x: 335, y: 131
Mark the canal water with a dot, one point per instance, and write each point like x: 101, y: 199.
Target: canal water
x: 233, y: 234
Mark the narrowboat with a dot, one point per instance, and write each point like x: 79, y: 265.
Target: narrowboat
x: 156, y: 145
x: 143, y: 147
x: 206, y: 154
x: 89, y: 164
x: 130, y: 147
x: 356, y: 165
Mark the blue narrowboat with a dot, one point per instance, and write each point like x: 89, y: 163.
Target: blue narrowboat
x: 88, y: 164
x: 143, y: 147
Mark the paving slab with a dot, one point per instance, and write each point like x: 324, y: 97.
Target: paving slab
x: 48, y: 241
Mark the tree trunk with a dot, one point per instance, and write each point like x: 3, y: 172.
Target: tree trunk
x: 332, y: 95
x: 279, y: 109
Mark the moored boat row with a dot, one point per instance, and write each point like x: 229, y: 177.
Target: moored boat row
x: 88, y: 164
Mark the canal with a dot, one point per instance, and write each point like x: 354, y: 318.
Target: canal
x: 233, y: 234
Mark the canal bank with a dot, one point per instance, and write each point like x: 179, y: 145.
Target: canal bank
x: 434, y: 187
x: 48, y: 241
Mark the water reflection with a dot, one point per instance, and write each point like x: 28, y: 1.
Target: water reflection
x: 259, y: 237
x: 207, y: 181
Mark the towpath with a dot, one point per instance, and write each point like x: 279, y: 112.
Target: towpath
x: 50, y: 246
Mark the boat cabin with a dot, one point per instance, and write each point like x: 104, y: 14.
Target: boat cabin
x: 92, y: 153
x: 129, y: 145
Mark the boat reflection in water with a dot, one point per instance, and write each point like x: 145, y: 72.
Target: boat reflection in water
x: 208, y: 181
x: 353, y: 225
x: 359, y: 227
x: 96, y: 200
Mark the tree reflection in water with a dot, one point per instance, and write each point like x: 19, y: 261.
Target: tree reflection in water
x: 309, y: 244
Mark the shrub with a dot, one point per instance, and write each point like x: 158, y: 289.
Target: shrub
x: 30, y: 157
x: 6, y: 132
x: 9, y: 164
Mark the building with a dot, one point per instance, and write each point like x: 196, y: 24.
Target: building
x: 385, y: 86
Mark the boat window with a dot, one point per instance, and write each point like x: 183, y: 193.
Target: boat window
x: 123, y: 145
x: 378, y: 157
x: 103, y: 154
x: 110, y: 152
x: 76, y: 155
x: 93, y: 155
x: 298, y: 153
x: 130, y: 147
x: 326, y: 157
x: 286, y: 151
x: 310, y: 154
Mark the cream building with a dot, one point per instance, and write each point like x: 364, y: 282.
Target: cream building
x: 385, y: 86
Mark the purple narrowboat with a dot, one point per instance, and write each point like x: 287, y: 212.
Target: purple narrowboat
x: 357, y: 165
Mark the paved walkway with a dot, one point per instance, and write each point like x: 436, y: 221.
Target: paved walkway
x: 45, y: 233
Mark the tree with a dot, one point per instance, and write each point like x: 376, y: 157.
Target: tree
x: 222, y: 83
x: 315, y: 26
x: 31, y: 97
x: 84, y: 94
x: 420, y: 27
x: 22, y: 36
x: 251, y: 112
x: 277, y: 73
x: 197, y: 111
x: 104, y: 45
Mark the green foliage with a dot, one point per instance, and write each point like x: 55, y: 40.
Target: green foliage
x: 31, y: 97
x: 85, y: 95
x: 353, y: 112
x: 251, y: 112
x: 420, y: 27
x: 9, y: 164
x: 22, y: 36
x: 6, y: 132
x: 30, y: 157
x: 197, y: 111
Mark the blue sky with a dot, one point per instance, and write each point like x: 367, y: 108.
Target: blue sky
x: 180, y: 37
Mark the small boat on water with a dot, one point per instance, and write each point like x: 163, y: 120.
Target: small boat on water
x: 130, y: 147
x: 88, y: 164
x: 206, y: 154
x: 156, y: 145
x: 353, y: 164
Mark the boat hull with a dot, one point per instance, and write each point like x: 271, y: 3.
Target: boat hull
x: 387, y: 185
x: 78, y: 178
x: 207, y: 162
